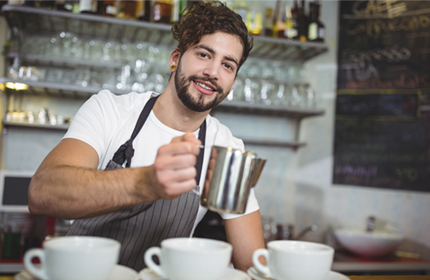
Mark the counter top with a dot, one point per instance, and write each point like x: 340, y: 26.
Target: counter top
x: 405, y: 277
x: 410, y: 256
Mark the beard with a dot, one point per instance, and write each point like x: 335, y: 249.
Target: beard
x: 197, y: 104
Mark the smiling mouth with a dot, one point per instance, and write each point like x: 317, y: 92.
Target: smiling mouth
x: 204, y: 86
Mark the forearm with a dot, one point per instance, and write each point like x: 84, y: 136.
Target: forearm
x: 72, y: 192
x: 246, y: 236
x: 67, y: 184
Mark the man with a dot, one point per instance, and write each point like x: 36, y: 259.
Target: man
x: 153, y: 198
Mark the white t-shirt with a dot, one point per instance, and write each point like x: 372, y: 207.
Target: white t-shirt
x: 106, y: 121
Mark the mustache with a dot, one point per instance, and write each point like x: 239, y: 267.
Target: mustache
x: 206, y: 79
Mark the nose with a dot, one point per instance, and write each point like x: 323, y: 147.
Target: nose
x: 211, y: 71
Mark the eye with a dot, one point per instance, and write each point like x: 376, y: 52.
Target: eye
x: 228, y: 66
x: 204, y: 55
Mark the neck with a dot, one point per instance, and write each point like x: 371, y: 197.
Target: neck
x: 172, y: 113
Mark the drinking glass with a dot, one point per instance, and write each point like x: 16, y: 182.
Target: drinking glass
x: 237, y: 92
x: 310, y: 96
x: 251, y: 90
x: 97, y: 50
x: 83, y: 76
x: 108, y: 77
x: 155, y: 82
x: 54, y: 48
x: 268, y: 92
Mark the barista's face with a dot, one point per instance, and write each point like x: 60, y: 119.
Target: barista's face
x: 206, y: 72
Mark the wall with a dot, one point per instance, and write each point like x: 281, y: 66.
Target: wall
x: 316, y: 200
x: 295, y: 186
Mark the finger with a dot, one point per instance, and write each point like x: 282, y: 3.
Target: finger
x: 178, y: 188
x: 170, y: 178
x: 178, y: 148
x: 168, y: 162
x: 187, y: 137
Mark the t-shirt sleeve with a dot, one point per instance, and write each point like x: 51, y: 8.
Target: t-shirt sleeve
x: 89, y: 123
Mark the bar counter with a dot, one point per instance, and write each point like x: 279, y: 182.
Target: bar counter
x: 403, y: 277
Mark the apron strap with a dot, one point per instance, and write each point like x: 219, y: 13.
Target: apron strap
x: 126, y: 151
x: 199, y: 162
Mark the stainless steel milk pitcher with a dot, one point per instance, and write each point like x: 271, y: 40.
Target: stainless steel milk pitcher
x: 230, y: 176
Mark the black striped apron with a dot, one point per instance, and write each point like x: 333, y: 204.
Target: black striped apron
x: 144, y: 225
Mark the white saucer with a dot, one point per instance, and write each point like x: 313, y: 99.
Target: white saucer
x: 120, y: 272
x: 233, y: 274
x: 256, y: 275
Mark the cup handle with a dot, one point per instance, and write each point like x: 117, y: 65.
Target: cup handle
x: 154, y: 251
x: 264, y: 269
x: 35, y: 270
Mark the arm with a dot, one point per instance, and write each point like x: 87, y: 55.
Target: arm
x: 67, y: 184
x: 246, y: 235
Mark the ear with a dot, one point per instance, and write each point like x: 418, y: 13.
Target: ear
x: 174, y: 57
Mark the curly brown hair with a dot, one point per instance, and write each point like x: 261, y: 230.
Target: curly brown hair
x: 202, y: 18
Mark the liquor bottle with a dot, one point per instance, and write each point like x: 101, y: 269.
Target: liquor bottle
x: 254, y: 18
x: 67, y: 5
x: 47, y: 4
x: 241, y: 7
x: 279, y: 20
x: 60, y: 5
x: 87, y: 6
x: 145, y: 14
x: 316, y: 29
x: 268, y: 22
x: 28, y: 3
x: 290, y: 25
x: 108, y: 8
x: 128, y: 9
x: 295, y: 11
x: 162, y: 11
x: 302, y: 23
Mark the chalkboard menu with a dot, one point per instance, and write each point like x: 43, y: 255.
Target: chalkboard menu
x: 382, y: 128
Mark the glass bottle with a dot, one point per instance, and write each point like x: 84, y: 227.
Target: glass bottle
x: 145, y: 13
x: 290, y: 25
x: 254, y: 18
x: 316, y: 27
x: 302, y: 23
x: 241, y: 7
x: 313, y: 26
x: 47, y: 4
x: 162, y: 11
x: 295, y: 19
x: 108, y: 8
x: 87, y: 6
x: 128, y: 9
x: 267, y: 23
x: 279, y: 20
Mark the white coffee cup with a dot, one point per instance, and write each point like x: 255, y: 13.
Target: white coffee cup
x: 292, y: 260
x: 74, y: 258
x: 190, y: 259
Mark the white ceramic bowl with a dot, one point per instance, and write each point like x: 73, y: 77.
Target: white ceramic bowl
x: 368, y: 244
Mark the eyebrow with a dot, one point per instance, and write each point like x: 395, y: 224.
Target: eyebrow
x: 209, y: 49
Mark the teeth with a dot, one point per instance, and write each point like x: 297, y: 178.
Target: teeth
x: 204, y: 86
